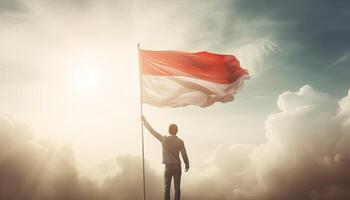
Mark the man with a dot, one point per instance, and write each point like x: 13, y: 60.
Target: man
x: 172, y: 145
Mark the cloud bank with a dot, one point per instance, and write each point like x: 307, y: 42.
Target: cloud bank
x: 306, y: 156
x: 39, y: 169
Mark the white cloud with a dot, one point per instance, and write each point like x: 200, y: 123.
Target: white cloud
x: 306, y: 155
x: 253, y: 53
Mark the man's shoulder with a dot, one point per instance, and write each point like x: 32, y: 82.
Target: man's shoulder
x: 168, y: 137
x: 180, y: 140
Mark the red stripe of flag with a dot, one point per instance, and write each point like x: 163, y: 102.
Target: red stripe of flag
x: 217, y: 68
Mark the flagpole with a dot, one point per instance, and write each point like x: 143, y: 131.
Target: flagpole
x: 142, y: 138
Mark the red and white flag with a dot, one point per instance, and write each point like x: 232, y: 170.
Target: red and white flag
x: 176, y: 78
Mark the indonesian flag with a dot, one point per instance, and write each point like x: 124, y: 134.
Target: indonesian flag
x: 176, y: 78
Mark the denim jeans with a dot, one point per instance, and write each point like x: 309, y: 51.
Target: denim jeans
x: 172, y: 170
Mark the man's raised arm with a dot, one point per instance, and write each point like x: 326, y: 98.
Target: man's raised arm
x: 151, y: 130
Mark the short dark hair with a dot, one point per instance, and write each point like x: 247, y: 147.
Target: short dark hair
x: 172, y: 129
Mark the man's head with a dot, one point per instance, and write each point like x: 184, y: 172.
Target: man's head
x: 172, y: 129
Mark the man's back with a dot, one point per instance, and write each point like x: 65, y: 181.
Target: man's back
x: 172, y: 145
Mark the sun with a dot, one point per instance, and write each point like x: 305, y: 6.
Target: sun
x: 85, y: 79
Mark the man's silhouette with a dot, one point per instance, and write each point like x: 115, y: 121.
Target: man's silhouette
x: 172, y: 145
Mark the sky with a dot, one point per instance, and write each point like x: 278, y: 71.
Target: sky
x: 70, y: 91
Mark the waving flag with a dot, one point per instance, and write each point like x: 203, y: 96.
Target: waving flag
x: 175, y: 78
